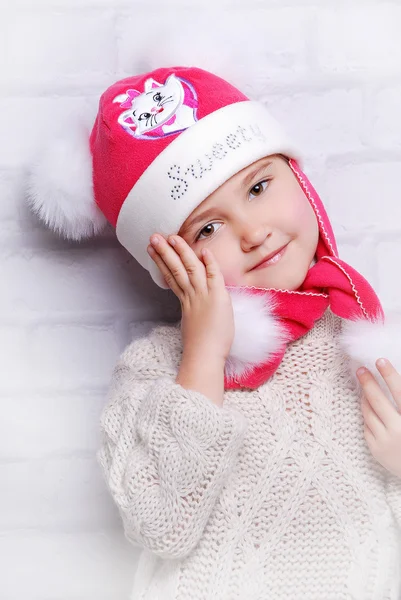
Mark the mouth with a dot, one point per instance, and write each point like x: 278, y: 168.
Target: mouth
x: 271, y: 259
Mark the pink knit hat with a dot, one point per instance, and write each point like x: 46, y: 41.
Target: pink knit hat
x: 162, y: 142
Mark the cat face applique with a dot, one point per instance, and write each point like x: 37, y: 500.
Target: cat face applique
x: 161, y: 109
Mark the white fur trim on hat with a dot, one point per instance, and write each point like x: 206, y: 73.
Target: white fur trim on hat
x: 193, y: 166
x: 257, y: 335
x: 60, y: 188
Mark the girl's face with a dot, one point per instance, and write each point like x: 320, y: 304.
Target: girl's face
x: 258, y: 211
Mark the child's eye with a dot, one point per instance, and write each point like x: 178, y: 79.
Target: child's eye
x: 259, y: 189
x: 203, y: 229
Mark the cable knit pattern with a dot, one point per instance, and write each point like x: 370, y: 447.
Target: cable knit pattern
x: 167, y: 451
x: 275, y: 495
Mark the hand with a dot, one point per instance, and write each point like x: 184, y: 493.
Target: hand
x: 207, y: 323
x: 382, y: 419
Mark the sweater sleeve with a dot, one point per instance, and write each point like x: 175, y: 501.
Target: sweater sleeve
x: 165, y: 453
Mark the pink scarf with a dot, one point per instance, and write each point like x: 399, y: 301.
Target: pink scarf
x: 329, y: 283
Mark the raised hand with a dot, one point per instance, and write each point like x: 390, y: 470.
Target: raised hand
x: 207, y: 314
x: 382, y: 418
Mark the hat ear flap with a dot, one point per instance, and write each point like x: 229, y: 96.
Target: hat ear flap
x: 60, y: 185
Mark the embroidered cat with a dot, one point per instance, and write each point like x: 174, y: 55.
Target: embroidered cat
x: 162, y: 109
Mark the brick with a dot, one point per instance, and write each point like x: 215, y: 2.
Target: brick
x: 14, y: 356
x: 389, y: 258
x: 68, y: 424
x: 64, y: 494
x: 364, y: 196
x: 25, y: 135
x: 275, y: 38
x: 11, y: 196
x: 361, y: 257
x: 386, y: 124
x: 362, y: 38
x: 71, y: 355
x: 321, y: 123
x: 67, y: 47
x: 76, y: 279
x: 78, y: 566
x: 62, y: 356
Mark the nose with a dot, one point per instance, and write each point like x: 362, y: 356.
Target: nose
x: 253, y: 234
x: 156, y: 110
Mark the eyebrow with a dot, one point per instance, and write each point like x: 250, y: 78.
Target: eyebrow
x: 203, y: 215
x: 253, y: 174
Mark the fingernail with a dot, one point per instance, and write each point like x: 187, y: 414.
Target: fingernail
x: 361, y: 371
x: 172, y: 241
x: 381, y: 362
x: 154, y: 239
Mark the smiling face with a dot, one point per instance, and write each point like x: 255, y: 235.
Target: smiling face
x: 255, y: 213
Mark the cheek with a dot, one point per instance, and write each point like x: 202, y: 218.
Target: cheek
x: 303, y: 218
x: 233, y: 279
x: 228, y: 263
x: 231, y: 273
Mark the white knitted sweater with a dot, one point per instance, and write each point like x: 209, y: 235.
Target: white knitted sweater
x: 273, y: 496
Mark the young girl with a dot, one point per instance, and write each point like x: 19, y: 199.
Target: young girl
x: 235, y: 444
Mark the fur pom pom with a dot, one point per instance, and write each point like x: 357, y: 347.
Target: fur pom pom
x: 257, y: 333
x: 60, y: 188
x: 365, y: 342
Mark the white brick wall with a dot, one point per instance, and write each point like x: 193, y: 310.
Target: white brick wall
x: 330, y: 69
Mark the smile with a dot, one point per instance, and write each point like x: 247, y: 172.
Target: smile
x: 272, y: 260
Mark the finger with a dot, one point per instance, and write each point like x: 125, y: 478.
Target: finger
x: 165, y: 271
x: 377, y: 399
x: 371, y: 420
x: 392, y: 379
x: 369, y: 437
x: 173, y: 263
x: 213, y: 274
x: 194, y: 267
